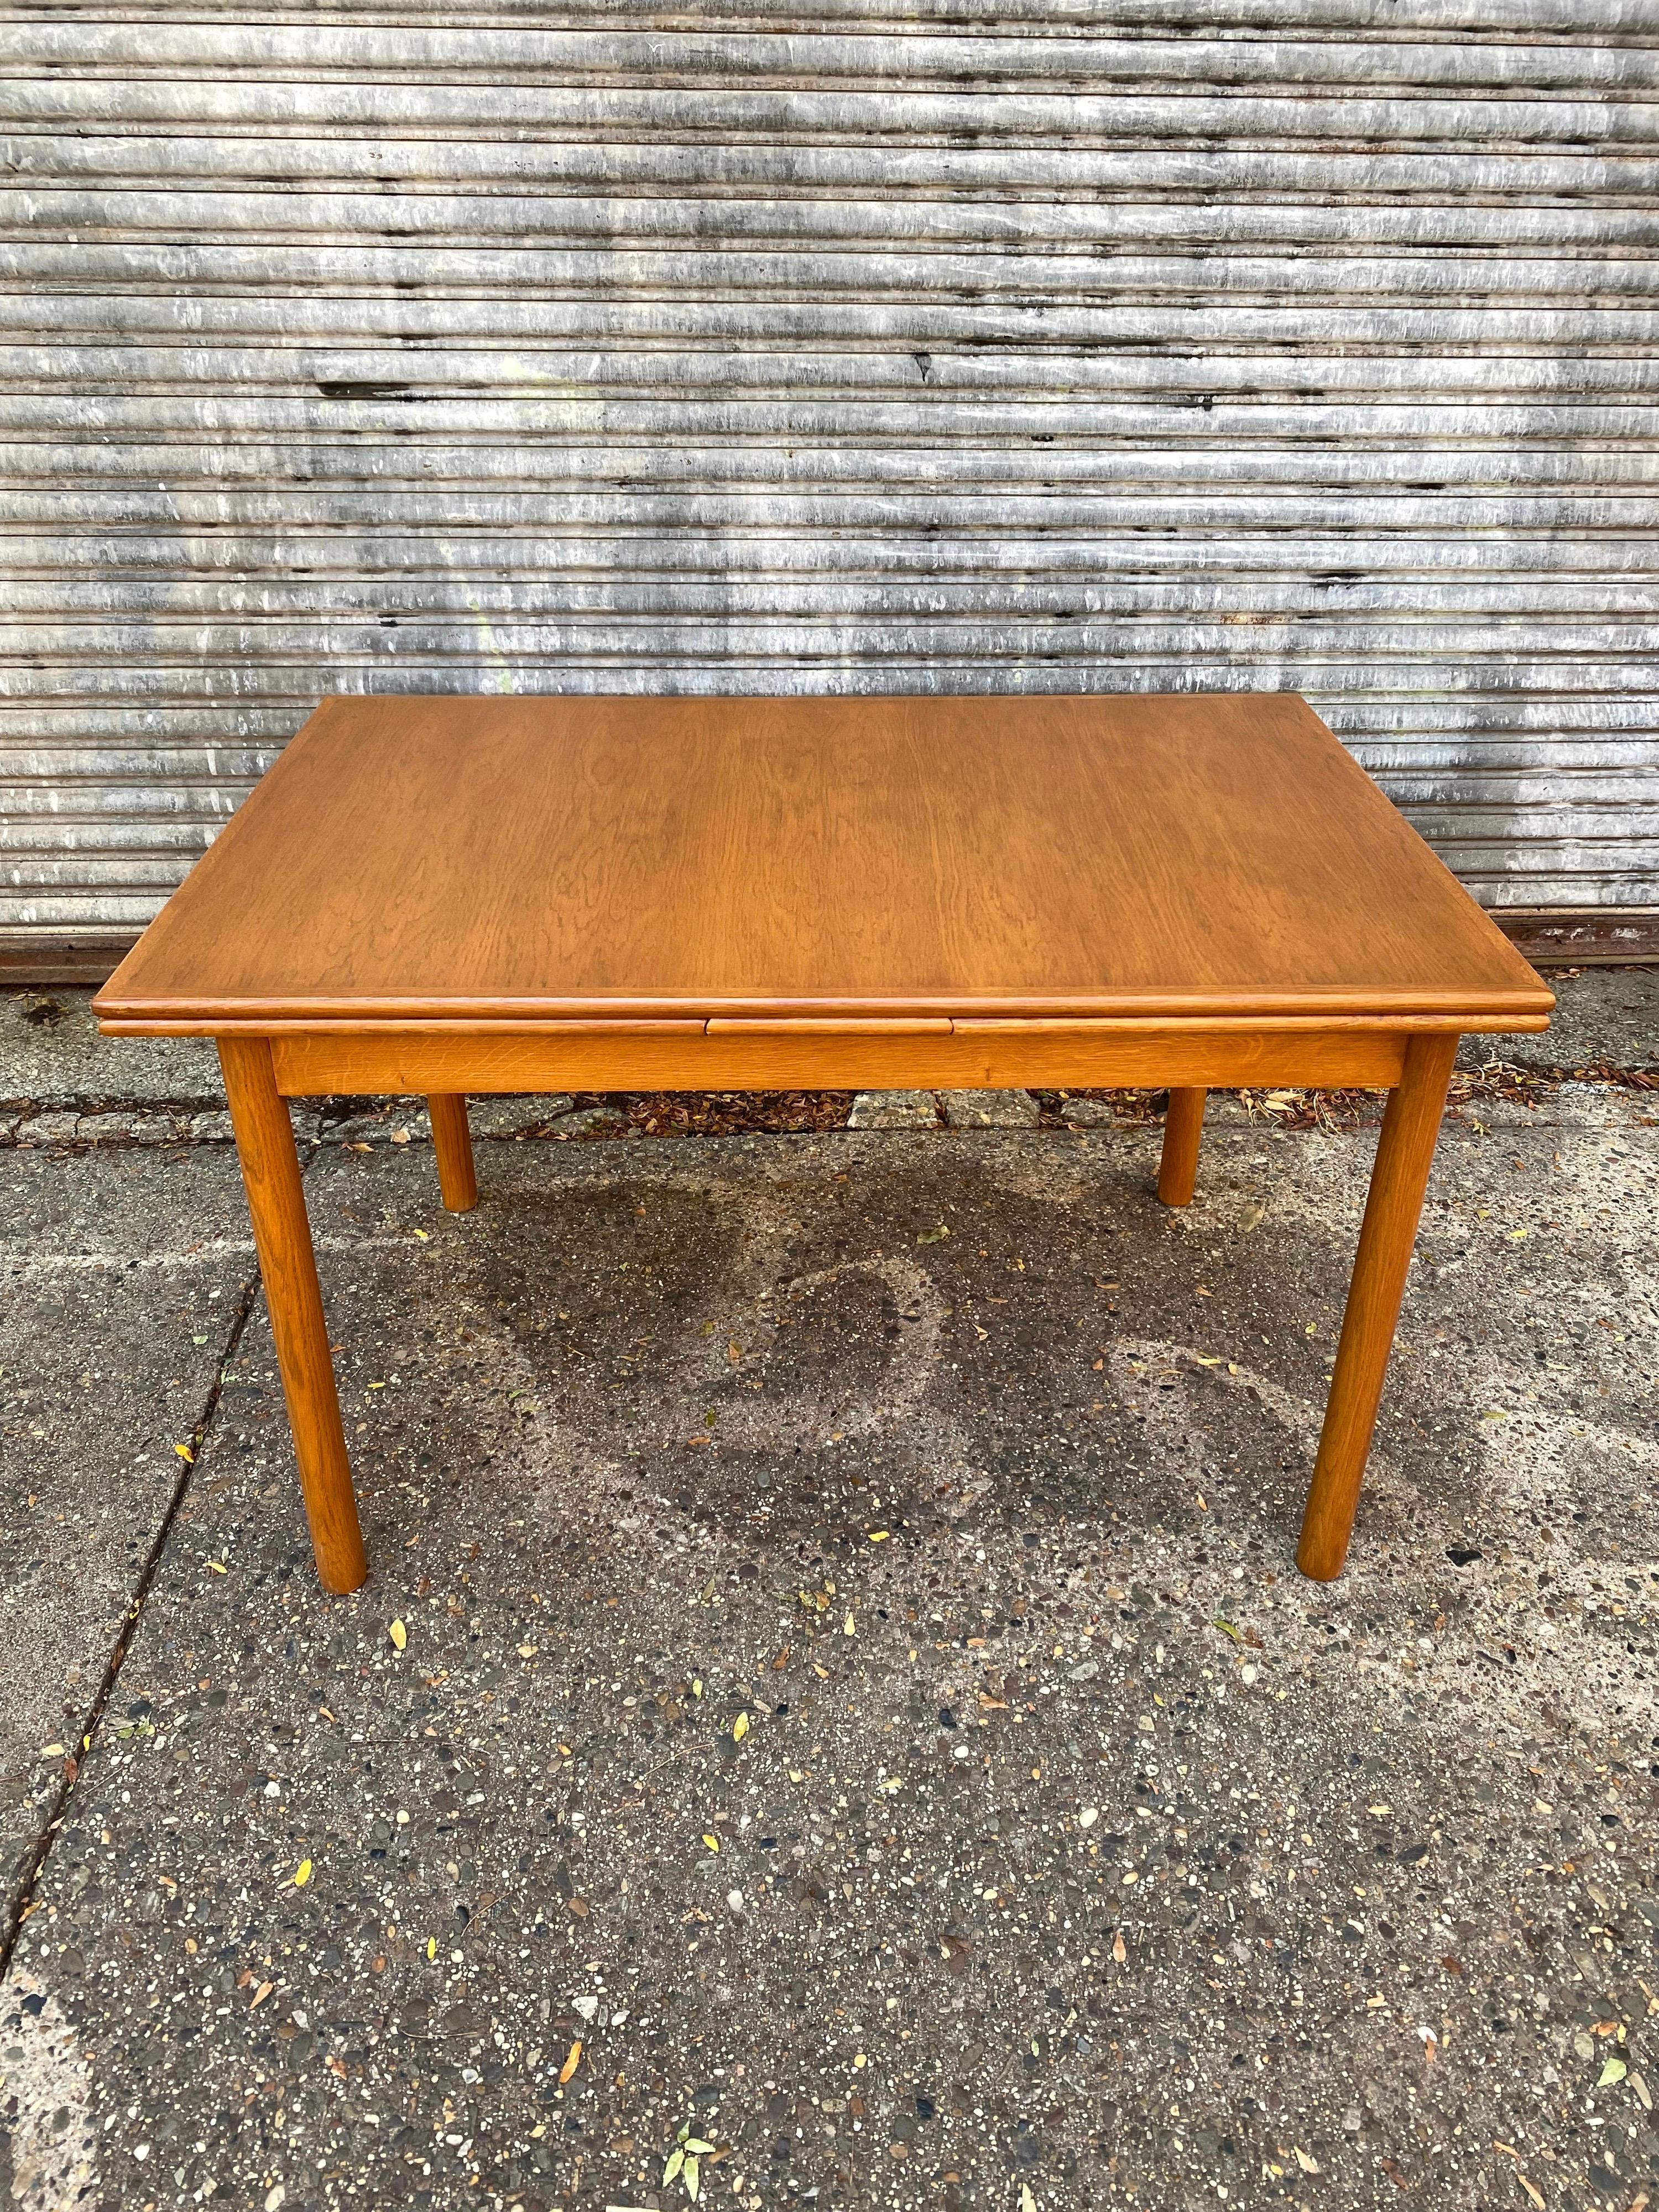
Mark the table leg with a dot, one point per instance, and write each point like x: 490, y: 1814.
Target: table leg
x: 453, y: 1146
x: 1404, y: 1152
x: 1178, y: 1168
x: 281, y: 1235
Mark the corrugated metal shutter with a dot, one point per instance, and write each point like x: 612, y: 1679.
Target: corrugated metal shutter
x: 1278, y: 344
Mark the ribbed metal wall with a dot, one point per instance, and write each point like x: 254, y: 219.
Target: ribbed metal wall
x: 1301, y: 344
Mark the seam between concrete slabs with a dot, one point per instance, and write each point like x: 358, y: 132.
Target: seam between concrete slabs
x: 17, y: 1905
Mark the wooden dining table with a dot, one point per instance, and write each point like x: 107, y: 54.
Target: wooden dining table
x: 447, y: 897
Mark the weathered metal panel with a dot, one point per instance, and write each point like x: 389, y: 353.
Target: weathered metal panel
x: 1184, y: 343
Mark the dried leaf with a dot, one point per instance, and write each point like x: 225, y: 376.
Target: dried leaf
x: 1308, y: 2164
x: 398, y: 1634
x: 572, y: 2063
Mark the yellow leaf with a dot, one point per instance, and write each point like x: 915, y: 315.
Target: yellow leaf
x: 877, y: 1535
x: 425, y: 1235
x: 218, y: 1567
x: 398, y: 1634
x: 740, y: 1727
x: 572, y: 2063
x: 1613, y: 2071
x: 431, y: 1946
x: 185, y: 1454
x: 713, y: 1842
x: 849, y: 1627
x: 302, y: 1873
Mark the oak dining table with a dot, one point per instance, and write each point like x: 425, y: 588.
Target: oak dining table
x: 455, y: 897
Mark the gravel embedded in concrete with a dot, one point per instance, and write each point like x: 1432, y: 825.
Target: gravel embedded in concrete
x: 988, y: 1109
x: 895, y: 1109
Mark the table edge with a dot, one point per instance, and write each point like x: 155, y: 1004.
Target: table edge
x: 1496, y: 1013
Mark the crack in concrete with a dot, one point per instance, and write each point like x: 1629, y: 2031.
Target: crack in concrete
x: 17, y: 1907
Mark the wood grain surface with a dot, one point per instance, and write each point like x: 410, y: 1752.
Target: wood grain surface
x: 281, y: 1233
x: 534, y: 860
x: 570, y: 1056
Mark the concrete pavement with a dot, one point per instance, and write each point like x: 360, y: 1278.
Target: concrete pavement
x: 833, y: 1685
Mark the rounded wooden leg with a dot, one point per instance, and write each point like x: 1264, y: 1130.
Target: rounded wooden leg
x: 271, y: 1169
x: 1178, y: 1170
x: 1405, y: 1153
x: 453, y: 1146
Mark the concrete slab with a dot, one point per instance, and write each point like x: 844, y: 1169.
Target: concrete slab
x: 1604, y: 1017
x: 120, y: 1278
x: 51, y: 1054
x: 852, y: 1702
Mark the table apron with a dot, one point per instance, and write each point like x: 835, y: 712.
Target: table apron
x: 992, y: 1056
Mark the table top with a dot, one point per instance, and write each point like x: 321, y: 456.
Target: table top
x: 443, y: 860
